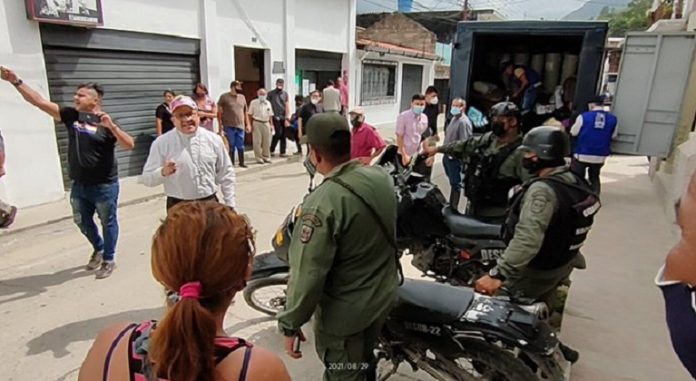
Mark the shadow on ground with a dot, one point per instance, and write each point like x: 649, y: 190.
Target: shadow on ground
x: 33, y: 285
x: 58, y: 339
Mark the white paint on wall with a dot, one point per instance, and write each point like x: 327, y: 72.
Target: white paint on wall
x: 179, y: 18
x: 32, y: 163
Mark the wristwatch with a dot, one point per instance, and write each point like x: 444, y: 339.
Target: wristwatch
x: 18, y: 83
x: 496, y: 274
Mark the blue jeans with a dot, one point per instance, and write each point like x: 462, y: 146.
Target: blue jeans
x: 453, y: 170
x: 235, y: 137
x: 102, y: 198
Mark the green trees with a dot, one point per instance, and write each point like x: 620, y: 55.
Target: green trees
x: 633, y: 18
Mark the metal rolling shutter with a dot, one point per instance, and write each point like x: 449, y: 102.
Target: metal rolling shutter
x: 133, y: 83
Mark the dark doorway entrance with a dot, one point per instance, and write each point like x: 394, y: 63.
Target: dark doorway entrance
x: 411, y: 84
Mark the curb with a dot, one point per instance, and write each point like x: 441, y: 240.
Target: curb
x: 140, y: 200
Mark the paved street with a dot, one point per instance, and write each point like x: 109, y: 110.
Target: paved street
x: 52, y: 309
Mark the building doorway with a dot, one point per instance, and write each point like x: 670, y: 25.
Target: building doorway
x: 250, y: 68
x: 411, y: 83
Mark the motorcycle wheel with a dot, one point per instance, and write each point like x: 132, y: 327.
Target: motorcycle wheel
x: 478, y: 360
x: 267, y: 295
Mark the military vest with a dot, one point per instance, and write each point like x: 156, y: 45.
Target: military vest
x: 567, y: 232
x: 483, y: 187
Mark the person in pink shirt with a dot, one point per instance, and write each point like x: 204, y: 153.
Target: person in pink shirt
x: 343, y: 89
x: 410, y: 126
x: 366, y: 144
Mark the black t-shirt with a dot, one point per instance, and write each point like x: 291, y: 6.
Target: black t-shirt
x: 432, y: 111
x: 91, y: 158
x: 307, y: 111
x: 166, y: 116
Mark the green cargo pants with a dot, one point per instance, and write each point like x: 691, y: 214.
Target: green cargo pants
x: 349, y: 358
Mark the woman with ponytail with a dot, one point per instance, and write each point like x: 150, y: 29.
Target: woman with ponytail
x: 202, y: 255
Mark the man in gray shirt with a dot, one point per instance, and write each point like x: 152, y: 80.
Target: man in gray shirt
x: 459, y: 128
x: 332, y: 98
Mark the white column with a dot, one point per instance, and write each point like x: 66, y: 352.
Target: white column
x: 350, y: 64
x: 210, y: 49
x: 289, y: 50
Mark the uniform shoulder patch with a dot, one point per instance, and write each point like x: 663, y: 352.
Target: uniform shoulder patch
x: 539, y: 200
x: 306, y: 233
x: 311, y: 219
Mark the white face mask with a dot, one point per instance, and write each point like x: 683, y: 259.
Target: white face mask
x: 434, y: 101
x: 262, y: 98
x: 315, y: 101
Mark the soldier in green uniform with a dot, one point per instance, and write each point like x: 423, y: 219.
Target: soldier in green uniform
x: 493, y: 164
x: 343, y: 266
x: 548, y: 222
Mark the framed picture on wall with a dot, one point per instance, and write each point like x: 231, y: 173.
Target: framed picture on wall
x: 70, y: 12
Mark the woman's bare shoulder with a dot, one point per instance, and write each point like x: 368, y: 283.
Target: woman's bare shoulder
x: 93, y: 366
x: 264, y: 365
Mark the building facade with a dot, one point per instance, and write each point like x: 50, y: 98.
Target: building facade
x: 395, y: 60
x: 140, y: 49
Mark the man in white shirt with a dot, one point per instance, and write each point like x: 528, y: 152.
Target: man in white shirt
x: 261, y: 114
x: 191, y: 162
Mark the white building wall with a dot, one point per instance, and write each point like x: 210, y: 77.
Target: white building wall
x: 278, y: 26
x: 385, y: 114
x: 33, y: 165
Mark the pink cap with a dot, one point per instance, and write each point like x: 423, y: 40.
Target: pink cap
x: 183, y: 100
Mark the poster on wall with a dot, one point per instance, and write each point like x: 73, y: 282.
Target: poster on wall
x: 70, y: 12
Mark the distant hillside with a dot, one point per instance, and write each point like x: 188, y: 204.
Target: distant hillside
x: 591, y: 9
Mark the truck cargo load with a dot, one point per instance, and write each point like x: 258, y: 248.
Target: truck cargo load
x: 565, y: 57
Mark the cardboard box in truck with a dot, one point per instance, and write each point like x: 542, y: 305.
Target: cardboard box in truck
x: 567, y: 58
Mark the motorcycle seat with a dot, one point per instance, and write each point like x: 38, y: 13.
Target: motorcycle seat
x: 465, y: 226
x: 429, y: 302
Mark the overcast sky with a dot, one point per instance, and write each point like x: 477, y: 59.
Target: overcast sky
x: 512, y: 9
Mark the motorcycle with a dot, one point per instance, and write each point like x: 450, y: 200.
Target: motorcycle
x: 446, y: 245
x: 449, y: 332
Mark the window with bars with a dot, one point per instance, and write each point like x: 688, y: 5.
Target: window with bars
x: 378, y: 82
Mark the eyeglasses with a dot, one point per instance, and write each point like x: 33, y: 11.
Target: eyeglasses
x: 185, y: 116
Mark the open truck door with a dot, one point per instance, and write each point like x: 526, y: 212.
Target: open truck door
x: 656, y: 70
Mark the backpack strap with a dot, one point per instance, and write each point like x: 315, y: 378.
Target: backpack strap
x: 112, y: 348
x: 390, y: 238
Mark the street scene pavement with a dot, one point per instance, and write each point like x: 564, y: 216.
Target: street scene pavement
x: 52, y: 309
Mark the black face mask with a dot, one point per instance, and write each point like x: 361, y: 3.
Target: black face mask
x: 531, y: 166
x: 356, y: 122
x: 498, y: 128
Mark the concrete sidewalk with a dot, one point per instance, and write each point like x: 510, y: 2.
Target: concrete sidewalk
x: 131, y: 193
x: 615, y: 314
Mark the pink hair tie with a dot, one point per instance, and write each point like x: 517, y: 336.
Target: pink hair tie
x: 190, y: 290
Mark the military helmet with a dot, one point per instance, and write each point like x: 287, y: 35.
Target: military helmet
x: 549, y: 143
x: 505, y: 109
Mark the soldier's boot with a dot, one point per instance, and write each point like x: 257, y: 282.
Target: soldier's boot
x: 455, y: 194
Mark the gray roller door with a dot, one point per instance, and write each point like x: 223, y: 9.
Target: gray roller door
x: 133, y: 83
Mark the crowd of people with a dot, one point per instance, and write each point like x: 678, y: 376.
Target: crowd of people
x: 203, y: 250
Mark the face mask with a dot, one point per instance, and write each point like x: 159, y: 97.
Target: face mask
x: 532, y: 166
x: 315, y: 101
x: 356, y: 122
x: 455, y: 111
x: 238, y: 89
x: 310, y: 166
x: 262, y: 98
x: 498, y: 128
x: 434, y: 101
x: 680, y: 311
x: 418, y: 110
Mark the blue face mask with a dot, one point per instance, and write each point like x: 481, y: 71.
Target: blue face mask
x: 455, y: 111
x: 418, y: 110
x: 680, y: 308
